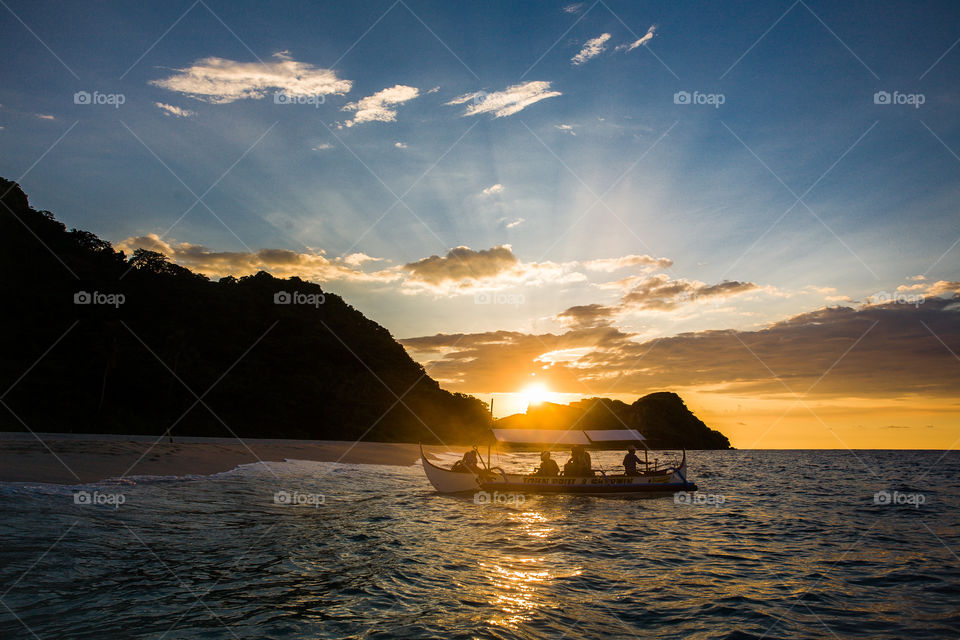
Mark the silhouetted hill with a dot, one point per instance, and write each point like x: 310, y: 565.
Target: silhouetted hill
x: 662, y: 418
x: 206, y: 358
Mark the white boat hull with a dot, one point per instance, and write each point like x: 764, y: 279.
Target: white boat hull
x: 447, y: 481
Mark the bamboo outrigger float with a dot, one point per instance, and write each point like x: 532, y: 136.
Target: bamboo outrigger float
x: 653, y: 479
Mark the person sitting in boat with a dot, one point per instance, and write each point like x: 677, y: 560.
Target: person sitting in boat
x: 579, y: 463
x: 630, y: 462
x: 468, y: 462
x: 548, y: 467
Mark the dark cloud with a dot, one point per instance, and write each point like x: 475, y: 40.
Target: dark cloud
x: 463, y: 263
x: 888, y: 351
x: 586, y: 316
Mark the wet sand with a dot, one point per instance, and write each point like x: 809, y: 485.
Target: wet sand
x: 75, y: 459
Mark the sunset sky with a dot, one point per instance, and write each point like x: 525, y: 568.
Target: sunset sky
x: 755, y: 207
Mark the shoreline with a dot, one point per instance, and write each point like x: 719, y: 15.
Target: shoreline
x: 71, y: 459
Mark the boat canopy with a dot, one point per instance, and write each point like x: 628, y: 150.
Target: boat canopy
x: 565, y: 438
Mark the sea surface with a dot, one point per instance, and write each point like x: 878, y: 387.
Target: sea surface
x: 778, y: 544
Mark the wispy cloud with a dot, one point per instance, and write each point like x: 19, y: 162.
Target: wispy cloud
x: 323, y: 146
x: 647, y: 37
x: 219, y: 81
x: 44, y: 116
x: 381, y: 106
x: 493, y: 189
x: 511, y: 100
x: 574, y: 8
x: 591, y: 49
x: 614, y: 264
x: 566, y: 128
x: 516, y: 223
x: 171, y: 110
x: 400, y: 145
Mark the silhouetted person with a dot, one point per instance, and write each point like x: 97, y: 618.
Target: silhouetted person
x: 630, y: 462
x: 548, y: 467
x: 579, y: 463
x: 469, y: 462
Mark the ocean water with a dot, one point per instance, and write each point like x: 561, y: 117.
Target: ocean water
x: 779, y: 544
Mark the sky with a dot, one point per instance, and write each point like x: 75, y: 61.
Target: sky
x: 755, y: 206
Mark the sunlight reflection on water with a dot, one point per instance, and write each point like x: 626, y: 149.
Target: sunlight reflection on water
x: 798, y: 548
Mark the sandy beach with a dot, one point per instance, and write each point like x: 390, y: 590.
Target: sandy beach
x: 76, y: 459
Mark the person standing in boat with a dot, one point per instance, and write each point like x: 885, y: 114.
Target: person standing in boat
x: 630, y: 462
x: 548, y: 467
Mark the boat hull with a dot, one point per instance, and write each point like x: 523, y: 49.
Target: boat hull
x: 447, y: 481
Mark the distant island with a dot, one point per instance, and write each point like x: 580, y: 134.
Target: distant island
x: 99, y: 342
x: 662, y: 418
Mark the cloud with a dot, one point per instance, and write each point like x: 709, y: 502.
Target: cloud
x: 566, y: 128
x: 915, y: 278
x: 170, y: 110
x: 588, y: 315
x: 516, y: 223
x: 380, y: 106
x: 220, y: 81
x: 647, y: 37
x: 44, y: 116
x: 323, y: 146
x: 463, y: 270
x: 400, y: 145
x: 646, y: 292
x: 874, y: 352
x: 661, y: 293
x: 511, y: 100
x: 574, y: 8
x: 282, y: 263
x: 591, y: 49
x: 610, y: 265
x: 493, y: 189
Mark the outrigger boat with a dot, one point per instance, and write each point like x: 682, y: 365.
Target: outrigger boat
x: 654, y: 479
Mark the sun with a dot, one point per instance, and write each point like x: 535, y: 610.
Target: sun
x: 535, y: 393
